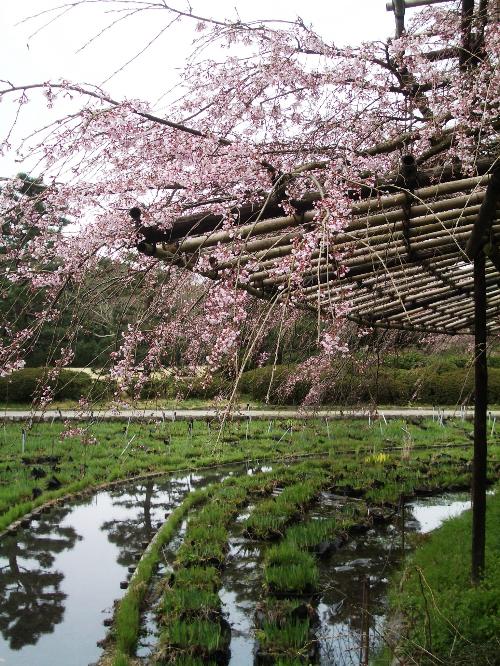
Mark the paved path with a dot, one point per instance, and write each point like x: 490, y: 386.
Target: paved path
x: 187, y: 414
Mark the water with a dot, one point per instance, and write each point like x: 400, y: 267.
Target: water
x: 430, y: 513
x: 60, y: 576
x: 369, y: 557
x: 242, y: 587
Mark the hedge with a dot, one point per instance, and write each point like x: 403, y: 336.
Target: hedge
x: 23, y: 386
x: 433, y: 385
x: 173, y: 387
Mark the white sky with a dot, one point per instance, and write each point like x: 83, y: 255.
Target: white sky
x: 52, y: 53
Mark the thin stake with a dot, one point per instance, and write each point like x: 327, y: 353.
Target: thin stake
x: 493, y: 426
x: 283, y: 435
x: 23, y: 440
x: 364, y: 656
x: 130, y: 442
x: 403, y: 525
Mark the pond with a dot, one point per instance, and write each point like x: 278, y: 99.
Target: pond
x: 60, y: 576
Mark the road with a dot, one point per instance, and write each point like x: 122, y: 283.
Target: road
x: 196, y: 414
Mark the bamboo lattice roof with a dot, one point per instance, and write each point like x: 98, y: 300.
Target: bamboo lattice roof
x: 408, y: 262
x: 409, y: 254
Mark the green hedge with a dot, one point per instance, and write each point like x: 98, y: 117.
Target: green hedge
x: 434, y: 385
x: 23, y: 386
x: 172, y: 387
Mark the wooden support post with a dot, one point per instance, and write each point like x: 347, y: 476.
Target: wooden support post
x: 399, y: 14
x: 480, y: 415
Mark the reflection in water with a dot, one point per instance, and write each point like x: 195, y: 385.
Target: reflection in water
x: 370, y: 556
x: 59, y: 575
x: 31, y: 600
x: 242, y: 588
x: 431, y: 512
x: 142, y: 508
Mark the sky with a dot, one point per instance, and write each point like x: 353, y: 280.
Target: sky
x: 33, y: 50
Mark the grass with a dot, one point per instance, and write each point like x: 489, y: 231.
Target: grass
x: 292, y: 637
x: 310, y: 534
x: 445, y: 618
x: 205, y: 545
x: 127, y: 618
x: 299, y: 577
x: 283, y: 637
x: 123, y: 450
x: 270, y: 518
x: 191, y: 599
x: 197, y: 635
x: 190, y: 602
x: 290, y: 570
x: 201, y: 578
x: 191, y: 608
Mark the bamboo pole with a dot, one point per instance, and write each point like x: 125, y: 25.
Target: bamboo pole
x: 380, y: 253
x: 421, y: 215
x: 407, y: 286
x: 194, y: 243
x: 443, y: 314
x: 398, y: 327
x: 415, y: 295
x: 455, y: 303
x: 464, y: 315
x: 418, y: 222
x: 423, y: 193
x: 274, y: 254
x: 409, y: 271
x: 383, y: 244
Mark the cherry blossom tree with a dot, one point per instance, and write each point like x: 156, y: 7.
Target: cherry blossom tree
x: 284, y: 114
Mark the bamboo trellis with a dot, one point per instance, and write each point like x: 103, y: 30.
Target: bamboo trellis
x: 406, y: 255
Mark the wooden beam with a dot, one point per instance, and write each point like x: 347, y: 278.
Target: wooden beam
x: 487, y: 213
x: 480, y: 412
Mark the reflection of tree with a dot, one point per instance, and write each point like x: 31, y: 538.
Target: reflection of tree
x: 129, y: 534
x: 149, y: 498
x: 31, y: 602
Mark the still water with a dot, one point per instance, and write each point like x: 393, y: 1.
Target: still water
x: 60, y: 576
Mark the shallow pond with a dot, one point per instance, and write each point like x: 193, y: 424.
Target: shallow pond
x: 367, y: 560
x: 60, y: 576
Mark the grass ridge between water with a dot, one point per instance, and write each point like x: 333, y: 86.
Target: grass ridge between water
x: 191, y: 602
x: 127, y: 617
x: 445, y: 619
